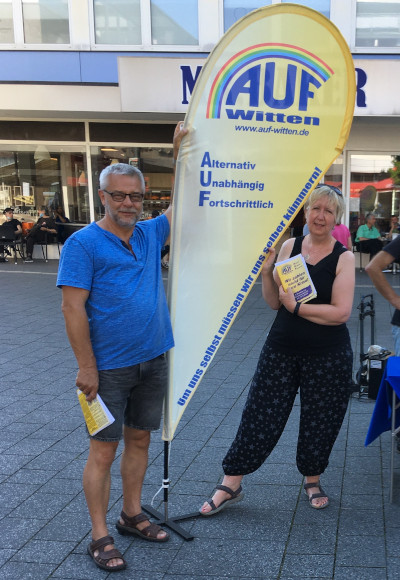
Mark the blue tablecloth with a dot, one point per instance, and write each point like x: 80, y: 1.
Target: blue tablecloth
x: 381, y: 419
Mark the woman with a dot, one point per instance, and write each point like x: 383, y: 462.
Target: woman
x: 308, y: 348
x: 341, y: 233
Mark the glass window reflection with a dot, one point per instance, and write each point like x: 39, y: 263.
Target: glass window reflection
x: 117, y: 22
x: 46, y: 21
x: 174, y: 22
x: 323, y: 6
x: 378, y: 23
x: 6, y: 22
x: 234, y: 10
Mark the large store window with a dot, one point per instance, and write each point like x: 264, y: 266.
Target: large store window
x: 6, y: 22
x: 174, y: 22
x: 46, y: 21
x: 378, y: 23
x: 33, y: 176
x: 156, y: 164
x: 374, y: 188
x: 117, y: 22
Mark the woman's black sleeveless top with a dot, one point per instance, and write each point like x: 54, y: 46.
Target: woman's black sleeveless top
x: 295, y: 334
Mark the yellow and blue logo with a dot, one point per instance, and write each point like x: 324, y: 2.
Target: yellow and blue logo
x: 252, y: 72
x: 286, y: 269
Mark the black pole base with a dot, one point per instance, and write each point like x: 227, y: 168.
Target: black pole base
x: 170, y: 522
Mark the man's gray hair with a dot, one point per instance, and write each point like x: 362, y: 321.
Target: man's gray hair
x: 120, y: 169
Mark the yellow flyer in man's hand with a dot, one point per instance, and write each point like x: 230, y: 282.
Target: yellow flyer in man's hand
x: 293, y: 273
x: 96, y: 414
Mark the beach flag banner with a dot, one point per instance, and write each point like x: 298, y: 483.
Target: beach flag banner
x: 270, y: 112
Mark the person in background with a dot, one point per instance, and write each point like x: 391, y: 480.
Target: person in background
x: 341, y: 233
x: 165, y: 249
x: 369, y: 235
x: 44, y: 226
x: 307, y: 348
x: 10, y: 219
x: 61, y: 219
x: 165, y: 257
x: 17, y: 228
x: 394, y: 227
x: 305, y: 230
x: 375, y: 270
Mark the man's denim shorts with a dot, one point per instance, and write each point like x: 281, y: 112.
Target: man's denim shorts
x: 134, y: 396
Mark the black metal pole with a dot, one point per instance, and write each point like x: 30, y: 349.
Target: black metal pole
x: 366, y: 308
x: 165, y: 520
x: 361, y: 317
x: 372, y: 319
x: 166, y: 478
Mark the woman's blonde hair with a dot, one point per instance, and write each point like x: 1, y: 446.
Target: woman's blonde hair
x: 335, y: 197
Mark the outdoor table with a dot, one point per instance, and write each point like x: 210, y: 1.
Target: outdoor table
x: 70, y: 227
x: 385, y: 416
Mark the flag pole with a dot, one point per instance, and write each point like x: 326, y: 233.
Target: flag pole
x: 164, y: 520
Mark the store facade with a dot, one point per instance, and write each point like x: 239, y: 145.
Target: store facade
x: 57, y: 162
x: 72, y: 107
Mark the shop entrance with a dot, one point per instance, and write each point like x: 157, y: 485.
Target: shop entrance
x: 374, y: 188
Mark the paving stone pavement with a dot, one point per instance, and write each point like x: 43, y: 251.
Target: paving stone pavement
x: 272, y: 534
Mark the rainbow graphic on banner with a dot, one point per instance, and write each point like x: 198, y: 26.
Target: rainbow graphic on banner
x: 261, y: 52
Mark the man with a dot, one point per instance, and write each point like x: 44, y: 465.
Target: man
x: 12, y: 223
x: 375, y: 270
x: 369, y: 236
x: 60, y: 220
x: 394, y: 227
x: 118, y: 325
x: 43, y: 227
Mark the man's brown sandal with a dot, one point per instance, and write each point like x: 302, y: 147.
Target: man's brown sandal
x: 316, y: 495
x: 148, y: 533
x: 103, y: 557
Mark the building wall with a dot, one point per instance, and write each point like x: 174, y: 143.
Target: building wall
x: 142, y: 92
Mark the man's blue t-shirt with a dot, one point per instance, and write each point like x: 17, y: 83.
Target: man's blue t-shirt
x: 127, y: 309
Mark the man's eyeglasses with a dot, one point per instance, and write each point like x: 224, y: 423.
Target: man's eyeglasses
x: 120, y: 196
x: 332, y: 187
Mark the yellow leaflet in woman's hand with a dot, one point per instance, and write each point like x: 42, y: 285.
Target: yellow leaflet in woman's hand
x: 293, y: 273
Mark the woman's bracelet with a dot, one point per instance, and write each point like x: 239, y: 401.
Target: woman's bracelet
x: 296, y: 308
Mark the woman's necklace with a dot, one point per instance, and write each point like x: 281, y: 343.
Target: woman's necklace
x: 318, y: 252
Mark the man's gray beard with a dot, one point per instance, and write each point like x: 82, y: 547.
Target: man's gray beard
x: 124, y: 224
